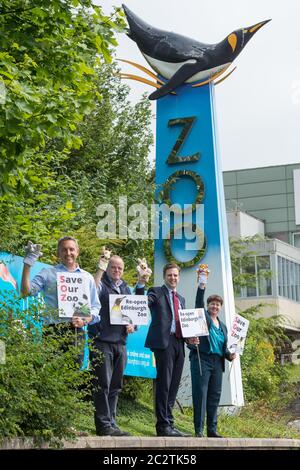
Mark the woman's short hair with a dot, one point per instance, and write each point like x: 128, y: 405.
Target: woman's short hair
x: 215, y: 298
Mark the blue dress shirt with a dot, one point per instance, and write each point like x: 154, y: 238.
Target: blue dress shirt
x: 46, y: 281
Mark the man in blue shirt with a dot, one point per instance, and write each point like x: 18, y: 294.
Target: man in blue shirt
x: 46, y: 281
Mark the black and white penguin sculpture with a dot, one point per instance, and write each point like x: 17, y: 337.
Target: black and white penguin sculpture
x: 180, y: 59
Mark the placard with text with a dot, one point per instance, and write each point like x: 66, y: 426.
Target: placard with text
x: 73, y: 295
x: 128, y: 309
x: 193, y: 322
x: 237, y: 336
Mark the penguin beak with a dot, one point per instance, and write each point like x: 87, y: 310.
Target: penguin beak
x: 253, y: 29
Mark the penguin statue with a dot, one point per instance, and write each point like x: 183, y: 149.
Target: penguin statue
x: 180, y: 59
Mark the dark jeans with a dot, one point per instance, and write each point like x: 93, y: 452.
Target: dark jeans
x: 108, y: 381
x: 169, y: 365
x: 206, y: 389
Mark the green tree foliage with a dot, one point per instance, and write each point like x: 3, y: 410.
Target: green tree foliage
x: 112, y: 162
x: 263, y: 375
x: 41, y: 387
x: 49, y: 53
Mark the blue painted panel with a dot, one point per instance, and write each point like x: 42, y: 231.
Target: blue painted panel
x: 140, y: 360
x: 198, y: 103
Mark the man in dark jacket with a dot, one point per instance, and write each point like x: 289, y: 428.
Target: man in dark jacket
x: 165, y: 340
x: 110, y: 340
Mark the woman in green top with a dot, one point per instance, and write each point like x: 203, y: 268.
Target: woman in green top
x: 207, y: 386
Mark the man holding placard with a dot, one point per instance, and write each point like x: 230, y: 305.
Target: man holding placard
x: 109, y: 338
x: 66, y: 287
x: 166, y: 341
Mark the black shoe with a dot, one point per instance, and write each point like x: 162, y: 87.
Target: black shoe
x: 180, y: 433
x: 110, y: 431
x: 122, y: 433
x: 213, y: 434
x: 168, y: 432
x: 104, y: 431
x: 199, y: 434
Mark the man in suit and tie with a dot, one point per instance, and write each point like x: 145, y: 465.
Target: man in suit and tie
x: 165, y: 340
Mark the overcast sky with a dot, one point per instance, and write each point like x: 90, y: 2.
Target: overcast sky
x: 258, y: 106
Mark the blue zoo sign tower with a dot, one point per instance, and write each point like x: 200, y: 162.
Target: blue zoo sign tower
x: 193, y: 176
x: 187, y: 164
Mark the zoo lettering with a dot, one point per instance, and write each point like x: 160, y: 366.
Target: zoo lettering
x: 174, y: 159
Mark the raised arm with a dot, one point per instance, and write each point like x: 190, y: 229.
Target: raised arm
x: 25, y: 282
x: 143, y: 275
x: 202, y: 276
x: 199, y: 303
x: 102, y: 265
x: 32, y: 253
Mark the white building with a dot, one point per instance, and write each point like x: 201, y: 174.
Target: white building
x: 266, y: 201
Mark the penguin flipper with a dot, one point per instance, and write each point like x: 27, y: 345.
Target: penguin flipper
x: 185, y: 72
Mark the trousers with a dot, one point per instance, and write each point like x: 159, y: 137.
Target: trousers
x: 169, y: 365
x: 108, y: 381
x: 206, y: 390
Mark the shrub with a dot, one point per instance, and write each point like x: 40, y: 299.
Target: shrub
x: 263, y: 376
x: 137, y: 388
x: 40, y: 381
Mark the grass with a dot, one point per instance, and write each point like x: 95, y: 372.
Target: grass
x: 294, y: 372
x: 252, y: 421
x: 256, y: 420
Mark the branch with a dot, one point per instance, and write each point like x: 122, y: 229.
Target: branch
x: 10, y: 12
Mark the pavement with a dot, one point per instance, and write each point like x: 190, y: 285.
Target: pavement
x: 136, y: 442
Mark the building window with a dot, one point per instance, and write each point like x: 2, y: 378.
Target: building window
x: 288, y: 279
x: 263, y: 270
x: 280, y: 275
x: 260, y: 267
x: 297, y: 276
x: 250, y: 269
x: 296, y: 240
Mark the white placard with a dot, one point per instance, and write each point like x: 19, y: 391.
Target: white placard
x: 128, y: 309
x: 237, y: 336
x: 73, y: 295
x: 193, y: 322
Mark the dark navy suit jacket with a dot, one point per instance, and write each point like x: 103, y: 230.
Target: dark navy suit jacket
x: 158, y: 336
